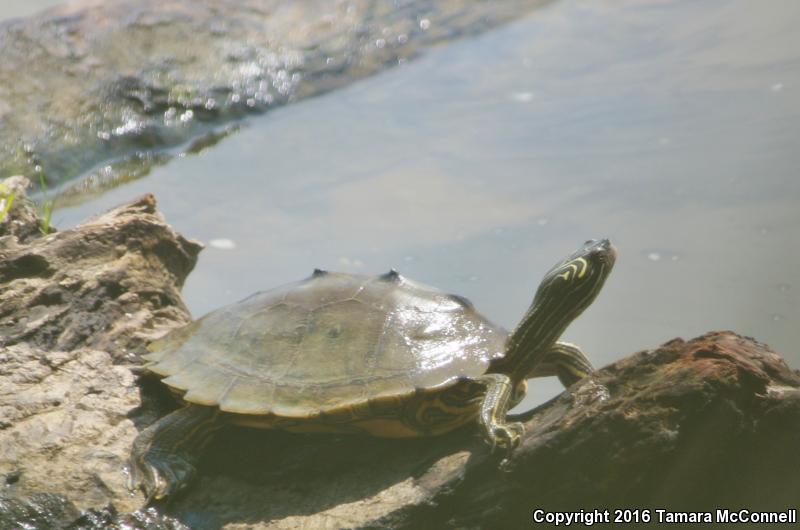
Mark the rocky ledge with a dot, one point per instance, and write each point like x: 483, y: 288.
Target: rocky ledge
x: 691, y: 425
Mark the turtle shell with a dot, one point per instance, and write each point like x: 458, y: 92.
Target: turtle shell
x: 327, y: 343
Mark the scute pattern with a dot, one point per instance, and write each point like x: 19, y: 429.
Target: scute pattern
x: 331, y: 341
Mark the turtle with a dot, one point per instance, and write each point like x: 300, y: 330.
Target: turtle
x: 343, y: 353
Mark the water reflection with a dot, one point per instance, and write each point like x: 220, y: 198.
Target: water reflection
x: 670, y: 127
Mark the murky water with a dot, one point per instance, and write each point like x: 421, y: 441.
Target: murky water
x: 670, y: 127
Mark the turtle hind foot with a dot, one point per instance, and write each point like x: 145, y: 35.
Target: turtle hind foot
x: 161, y: 475
x: 164, y: 455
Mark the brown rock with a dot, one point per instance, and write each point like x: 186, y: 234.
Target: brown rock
x: 64, y: 426
x: 110, y: 283
x: 72, y: 304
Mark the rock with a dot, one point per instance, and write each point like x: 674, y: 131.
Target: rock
x: 42, y: 510
x: 693, y: 425
x: 72, y: 304
x: 112, y: 282
x: 46, y: 511
x: 64, y: 426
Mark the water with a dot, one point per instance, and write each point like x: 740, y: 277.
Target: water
x: 670, y: 127
x: 83, y: 92
x: 24, y: 8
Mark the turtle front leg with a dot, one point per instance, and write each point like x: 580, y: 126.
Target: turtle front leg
x: 494, y: 407
x: 164, y: 456
x: 565, y: 361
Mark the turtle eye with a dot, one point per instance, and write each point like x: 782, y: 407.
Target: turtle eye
x: 574, y: 269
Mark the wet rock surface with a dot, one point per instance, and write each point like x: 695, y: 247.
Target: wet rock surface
x: 45, y: 511
x: 120, y: 85
x: 695, y: 425
x: 41, y: 510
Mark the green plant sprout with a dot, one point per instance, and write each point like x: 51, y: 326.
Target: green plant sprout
x: 46, y: 206
x: 6, y: 200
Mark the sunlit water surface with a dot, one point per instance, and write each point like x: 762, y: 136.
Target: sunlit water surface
x: 670, y: 127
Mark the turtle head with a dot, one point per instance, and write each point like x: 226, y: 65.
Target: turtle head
x: 573, y: 283
x: 565, y: 291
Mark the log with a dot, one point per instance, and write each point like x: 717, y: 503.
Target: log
x: 698, y: 425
